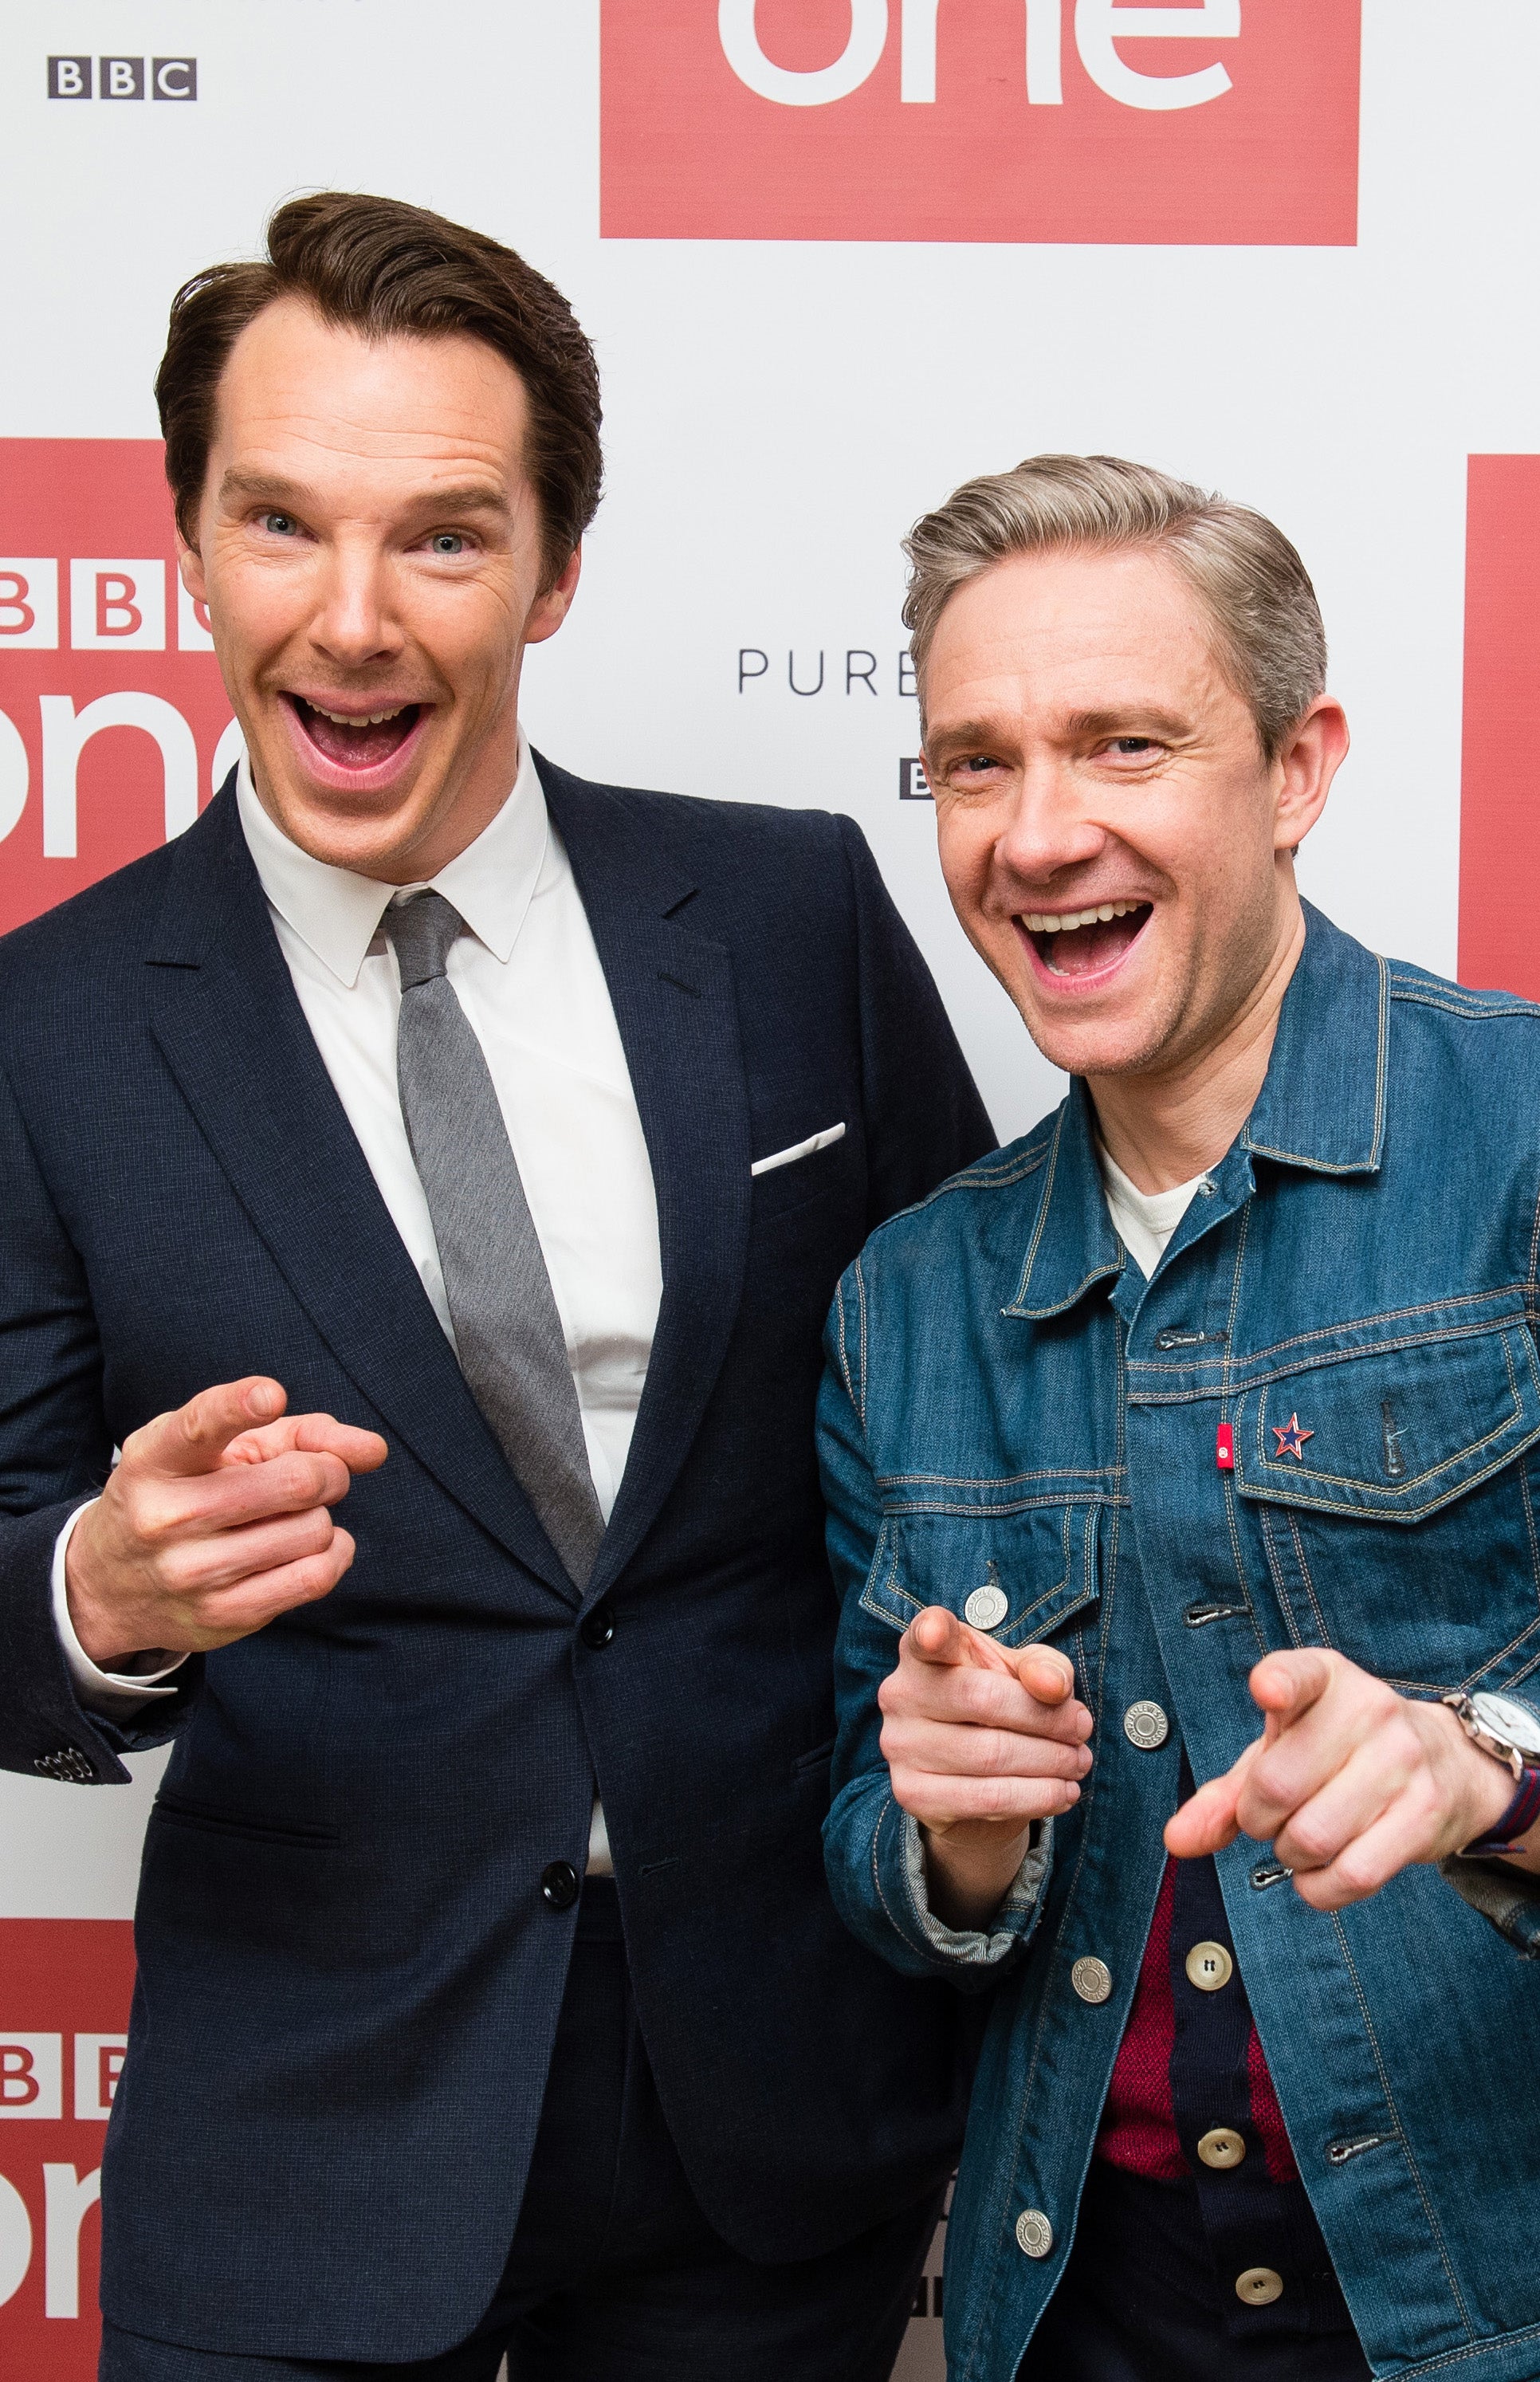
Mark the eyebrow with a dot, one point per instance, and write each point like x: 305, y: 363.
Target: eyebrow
x: 1138, y: 719
x: 264, y: 488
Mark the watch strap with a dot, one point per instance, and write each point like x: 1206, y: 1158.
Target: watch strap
x: 1516, y: 1822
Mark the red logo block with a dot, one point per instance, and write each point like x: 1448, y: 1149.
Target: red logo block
x: 113, y: 723
x: 1500, y: 809
x: 1222, y: 122
x: 64, y: 1989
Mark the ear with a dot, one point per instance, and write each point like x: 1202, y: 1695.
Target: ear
x: 548, y: 611
x: 189, y: 563
x: 1303, y: 771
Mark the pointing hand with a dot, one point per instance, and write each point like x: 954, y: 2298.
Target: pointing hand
x: 216, y: 1518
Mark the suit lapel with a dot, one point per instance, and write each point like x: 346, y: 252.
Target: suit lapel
x: 227, y: 1020
x: 673, y: 1001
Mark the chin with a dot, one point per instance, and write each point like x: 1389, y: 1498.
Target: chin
x: 1100, y: 1047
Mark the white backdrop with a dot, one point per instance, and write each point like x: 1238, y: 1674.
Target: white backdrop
x: 778, y: 412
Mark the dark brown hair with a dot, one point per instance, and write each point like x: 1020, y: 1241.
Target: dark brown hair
x: 379, y: 266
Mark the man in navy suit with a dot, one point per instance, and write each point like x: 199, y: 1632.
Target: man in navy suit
x: 431, y: 1128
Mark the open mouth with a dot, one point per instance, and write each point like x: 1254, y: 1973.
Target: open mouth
x: 359, y: 740
x: 1078, y: 944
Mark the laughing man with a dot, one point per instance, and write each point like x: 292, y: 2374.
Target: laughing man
x: 429, y: 1114
x: 1214, y: 1400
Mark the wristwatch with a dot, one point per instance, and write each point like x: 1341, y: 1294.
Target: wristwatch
x: 1508, y: 1730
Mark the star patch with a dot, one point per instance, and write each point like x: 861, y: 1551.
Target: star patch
x: 1290, y: 1439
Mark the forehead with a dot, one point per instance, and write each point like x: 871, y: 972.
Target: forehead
x: 319, y: 399
x: 1079, y: 630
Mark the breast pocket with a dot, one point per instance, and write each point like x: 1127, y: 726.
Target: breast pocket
x: 1017, y: 1577
x: 1394, y: 1498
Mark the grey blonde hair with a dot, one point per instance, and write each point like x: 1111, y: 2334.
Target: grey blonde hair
x: 1269, y: 637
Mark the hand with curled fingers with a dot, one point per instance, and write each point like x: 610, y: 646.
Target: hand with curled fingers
x: 1349, y: 1782
x: 980, y: 1741
x: 216, y: 1518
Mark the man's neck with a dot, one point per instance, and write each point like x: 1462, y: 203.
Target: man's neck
x: 1165, y: 1127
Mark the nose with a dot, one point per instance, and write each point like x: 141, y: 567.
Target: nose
x: 354, y: 624
x: 1049, y: 828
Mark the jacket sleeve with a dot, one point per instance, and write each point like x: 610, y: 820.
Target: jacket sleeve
x: 55, y: 1451
x: 923, y: 1117
x: 1509, y: 1897
x: 872, y: 1849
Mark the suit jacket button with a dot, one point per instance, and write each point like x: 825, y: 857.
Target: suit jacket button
x: 596, y: 1628
x: 558, y: 1884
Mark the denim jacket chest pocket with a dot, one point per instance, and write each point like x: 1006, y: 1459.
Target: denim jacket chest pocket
x: 1396, y: 1507
x: 1015, y: 1576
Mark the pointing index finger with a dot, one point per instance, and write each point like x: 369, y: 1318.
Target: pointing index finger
x: 192, y: 1440
x: 938, y: 1636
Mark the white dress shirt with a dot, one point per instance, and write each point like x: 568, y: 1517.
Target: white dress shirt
x: 527, y: 976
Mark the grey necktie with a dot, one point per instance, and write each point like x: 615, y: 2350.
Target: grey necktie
x: 509, y: 1333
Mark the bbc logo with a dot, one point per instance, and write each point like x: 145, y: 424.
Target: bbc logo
x: 113, y: 606
x: 72, y: 77
x: 913, y: 784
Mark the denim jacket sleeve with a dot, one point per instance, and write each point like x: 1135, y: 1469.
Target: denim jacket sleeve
x: 872, y: 1849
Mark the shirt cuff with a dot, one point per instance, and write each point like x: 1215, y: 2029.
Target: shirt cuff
x: 111, y: 1692
x: 970, y: 1945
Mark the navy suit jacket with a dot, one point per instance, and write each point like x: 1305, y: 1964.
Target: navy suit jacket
x: 349, y: 1976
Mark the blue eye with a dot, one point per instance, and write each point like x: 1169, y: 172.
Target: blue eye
x: 279, y: 524
x: 447, y: 541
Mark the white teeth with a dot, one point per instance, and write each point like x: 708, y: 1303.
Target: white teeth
x: 369, y: 718
x: 1042, y: 922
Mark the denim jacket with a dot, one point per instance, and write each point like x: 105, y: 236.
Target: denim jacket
x: 1007, y: 1404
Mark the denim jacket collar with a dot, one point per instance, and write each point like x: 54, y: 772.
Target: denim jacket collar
x: 1321, y: 1106
x: 1322, y: 1103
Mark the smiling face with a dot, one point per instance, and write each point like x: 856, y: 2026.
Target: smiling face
x: 370, y: 550
x: 1113, y: 839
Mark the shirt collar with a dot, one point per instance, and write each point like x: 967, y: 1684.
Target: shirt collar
x: 1321, y: 1106
x: 337, y: 913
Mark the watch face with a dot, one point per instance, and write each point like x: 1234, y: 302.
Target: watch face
x: 1515, y: 1723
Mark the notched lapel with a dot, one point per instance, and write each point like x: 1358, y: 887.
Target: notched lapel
x: 677, y: 1010
x: 226, y: 1018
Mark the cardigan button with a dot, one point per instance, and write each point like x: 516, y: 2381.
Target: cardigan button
x: 1259, y: 2286
x: 1209, y: 1967
x: 1221, y: 2147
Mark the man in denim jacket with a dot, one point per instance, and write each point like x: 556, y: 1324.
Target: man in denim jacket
x: 1213, y: 1403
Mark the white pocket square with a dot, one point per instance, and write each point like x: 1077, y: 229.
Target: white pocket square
x: 815, y: 1141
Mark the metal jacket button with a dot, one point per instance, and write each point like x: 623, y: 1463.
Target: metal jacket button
x: 987, y: 1607
x: 1146, y: 1725
x: 1259, y: 2286
x: 596, y: 1628
x: 1091, y: 1980
x: 1221, y: 2146
x: 1208, y: 1966
x: 558, y: 1884
x: 1033, y: 2233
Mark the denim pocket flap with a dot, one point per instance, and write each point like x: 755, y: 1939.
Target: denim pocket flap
x: 1014, y: 1576
x: 1393, y: 1435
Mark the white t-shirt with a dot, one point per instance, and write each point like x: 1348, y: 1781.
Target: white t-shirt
x: 1143, y: 1221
